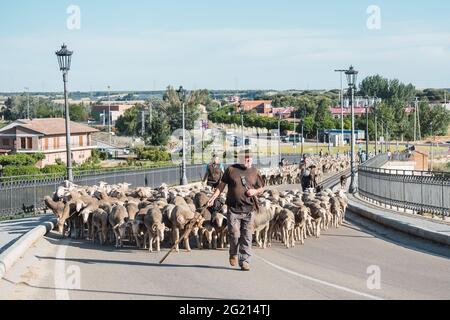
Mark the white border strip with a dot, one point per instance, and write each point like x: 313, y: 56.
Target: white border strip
x: 320, y: 281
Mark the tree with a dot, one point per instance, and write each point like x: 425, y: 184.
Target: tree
x: 173, y: 107
x: 78, y: 113
x: 127, y: 123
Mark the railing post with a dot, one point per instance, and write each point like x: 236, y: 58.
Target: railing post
x: 390, y: 189
x: 421, y: 192
x: 404, y: 193
x: 442, y: 206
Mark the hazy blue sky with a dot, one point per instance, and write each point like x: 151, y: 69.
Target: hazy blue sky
x: 249, y: 44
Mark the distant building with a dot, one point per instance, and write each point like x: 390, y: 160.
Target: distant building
x: 286, y: 113
x: 249, y: 105
x: 359, y: 111
x: 83, y: 101
x: 331, y: 134
x: 233, y: 100
x: 47, y: 136
x: 101, y: 111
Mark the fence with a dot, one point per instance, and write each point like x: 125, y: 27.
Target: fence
x: 418, y: 191
x: 18, y: 194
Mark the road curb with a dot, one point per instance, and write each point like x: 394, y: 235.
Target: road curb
x: 10, y: 256
x: 392, y: 223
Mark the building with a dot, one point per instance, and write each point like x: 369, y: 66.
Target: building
x: 47, y: 136
x: 100, y: 111
x: 286, y: 113
x: 84, y: 102
x: 261, y: 105
x: 333, y: 135
x: 359, y: 111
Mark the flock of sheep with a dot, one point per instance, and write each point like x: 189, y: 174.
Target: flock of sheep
x: 291, y: 174
x: 145, y: 216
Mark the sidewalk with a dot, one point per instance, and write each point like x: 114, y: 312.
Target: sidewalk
x: 12, y: 230
x: 418, y: 226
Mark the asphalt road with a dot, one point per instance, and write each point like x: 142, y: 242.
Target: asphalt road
x: 335, y: 266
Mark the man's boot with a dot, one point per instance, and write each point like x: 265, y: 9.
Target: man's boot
x: 245, y: 266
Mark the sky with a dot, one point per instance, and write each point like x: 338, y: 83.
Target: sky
x: 248, y: 44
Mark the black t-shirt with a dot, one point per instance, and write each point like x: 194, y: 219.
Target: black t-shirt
x: 237, y: 199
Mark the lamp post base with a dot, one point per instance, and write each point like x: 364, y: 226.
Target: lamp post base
x: 184, y: 181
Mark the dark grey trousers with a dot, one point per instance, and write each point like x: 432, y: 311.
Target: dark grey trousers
x: 240, y: 234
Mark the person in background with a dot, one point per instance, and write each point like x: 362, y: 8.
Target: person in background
x: 214, y: 173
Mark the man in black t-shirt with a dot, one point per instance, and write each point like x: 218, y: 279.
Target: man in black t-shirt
x: 244, y: 184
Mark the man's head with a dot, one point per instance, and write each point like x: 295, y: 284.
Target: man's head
x: 246, y: 158
x: 215, y: 159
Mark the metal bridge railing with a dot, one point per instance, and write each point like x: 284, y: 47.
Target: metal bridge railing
x: 19, y: 194
x: 417, y: 191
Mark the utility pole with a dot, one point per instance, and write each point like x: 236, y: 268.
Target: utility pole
x: 295, y: 135
x: 341, y: 95
x: 109, y: 115
x: 28, y: 102
x: 142, y: 123
x: 415, y: 119
x: 431, y: 147
x: 279, y: 136
x: 418, y: 121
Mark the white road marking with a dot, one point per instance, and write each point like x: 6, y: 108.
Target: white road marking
x: 319, y: 281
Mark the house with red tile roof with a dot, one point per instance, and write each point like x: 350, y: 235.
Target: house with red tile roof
x: 47, y: 136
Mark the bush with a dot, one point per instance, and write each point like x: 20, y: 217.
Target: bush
x: 38, y: 156
x: 10, y: 171
x: 153, y: 154
x: 98, y: 156
x: 54, y: 169
x: 17, y: 160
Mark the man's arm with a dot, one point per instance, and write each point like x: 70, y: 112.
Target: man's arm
x: 216, y: 194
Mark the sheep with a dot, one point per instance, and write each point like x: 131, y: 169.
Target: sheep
x: 219, y: 222
x: 153, y: 221
x: 57, y: 207
x: 179, y: 217
x: 287, y: 224
x: 207, y: 230
x: 99, y: 225
x: 118, y: 221
x: 261, y: 225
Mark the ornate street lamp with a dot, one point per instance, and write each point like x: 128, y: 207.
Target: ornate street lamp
x: 352, y: 76
x: 64, y: 60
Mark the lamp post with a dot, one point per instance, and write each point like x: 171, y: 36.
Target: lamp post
x: 241, y: 110
x: 182, y: 94
x: 109, y: 115
x: 64, y: 60
x: 352, y: 75
x: 279, y: 136
x: 342, y: 104
x: 431, y: 147
x: 303, y: 127
x: 376, y: 124
x: 367, y: 127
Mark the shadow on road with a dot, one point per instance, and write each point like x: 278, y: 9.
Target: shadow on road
x: 122, y: 293
x: 136, y: 263
x: 398, y: 238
